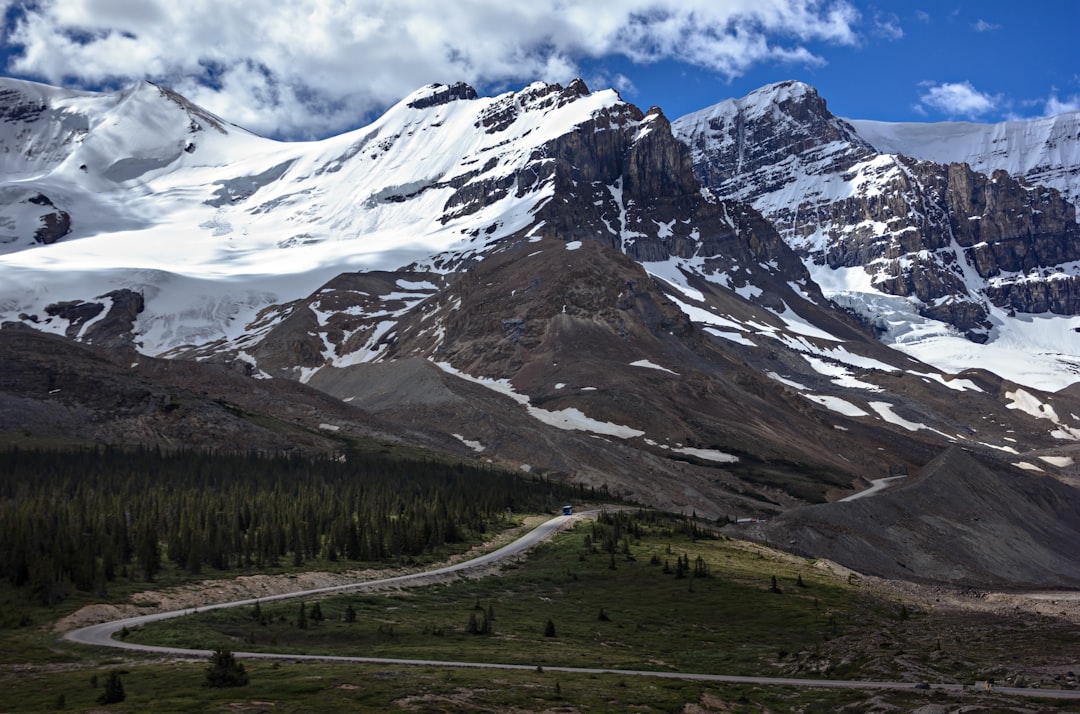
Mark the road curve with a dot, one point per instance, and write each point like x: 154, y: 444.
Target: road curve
x: 101, y: 635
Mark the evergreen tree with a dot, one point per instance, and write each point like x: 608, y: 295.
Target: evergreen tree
x: 114, y: 690
x: 225, y: 671
x: 549, y: 628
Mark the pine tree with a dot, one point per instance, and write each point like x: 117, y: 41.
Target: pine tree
x: 225, y: 671
x: 114, y: 690
x: 549, y: 628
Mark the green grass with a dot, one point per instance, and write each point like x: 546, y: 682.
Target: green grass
x: 729, y: 623
x: 314, y: 687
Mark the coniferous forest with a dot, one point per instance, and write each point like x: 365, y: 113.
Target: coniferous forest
x: 80, y: 519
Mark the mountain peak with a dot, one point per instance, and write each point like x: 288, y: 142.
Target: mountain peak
x: 787, y: 89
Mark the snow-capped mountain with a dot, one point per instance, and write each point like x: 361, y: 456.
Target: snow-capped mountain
x: 991, y: 257
x: 536, y: 278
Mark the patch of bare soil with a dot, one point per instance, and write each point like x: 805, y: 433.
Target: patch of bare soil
x: 212, y: 592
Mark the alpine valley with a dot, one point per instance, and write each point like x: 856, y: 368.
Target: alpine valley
x: 739, y: 313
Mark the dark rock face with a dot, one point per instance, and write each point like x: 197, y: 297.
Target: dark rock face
x: 54, y: 227
x: 54, y: 224
x: 443, y: 94
x: 114, y: 330
x: 17, y: 107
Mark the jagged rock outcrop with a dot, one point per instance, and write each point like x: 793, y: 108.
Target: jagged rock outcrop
x: 443, y: 94
x: 54, y: 224
x: 85, y: 321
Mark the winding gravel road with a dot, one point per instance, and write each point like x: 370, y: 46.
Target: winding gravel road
x: 101, y: 635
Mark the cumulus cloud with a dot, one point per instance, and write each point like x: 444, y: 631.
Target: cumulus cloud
x: 1055, y: 106
x: 958, y: 99
x: 321, y: 66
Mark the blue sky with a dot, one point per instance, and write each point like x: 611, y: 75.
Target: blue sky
x: 311, y: 68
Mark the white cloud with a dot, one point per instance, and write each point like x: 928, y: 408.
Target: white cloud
x: 322, y: 66
x: 982, y: 25
x: 888, y: 27
x: 959, y: 99
x: 1055, y: 106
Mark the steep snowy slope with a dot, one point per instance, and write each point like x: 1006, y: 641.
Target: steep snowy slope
x: 1043, y: 151
x: 980, y: 257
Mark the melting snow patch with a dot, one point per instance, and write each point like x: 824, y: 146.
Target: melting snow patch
x: 1006, y: 449
x: 474, y: 445
x: 885, y: 411
x: 842, y: 377
x: 573, y: 245
x: 651, y: 365
x: 669, y: 272
x: 570, y: 419
x: 1059, y: 461
x: 748, y: 291
x: 1027, y: 466
x: 708, y: 455
x: 307, y: 373
x: 799, y: 326
x: 1028, y: 403
x: 420, y: 285
x: 731, y: 336
x: 784, y: 380
x: 836, y: 404
x: 329, y: 427
x: 960, y: 385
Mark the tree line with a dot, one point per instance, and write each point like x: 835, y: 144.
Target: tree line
x: 80, y: 519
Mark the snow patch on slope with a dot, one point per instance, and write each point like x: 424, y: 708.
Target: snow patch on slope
x: 570, y: 419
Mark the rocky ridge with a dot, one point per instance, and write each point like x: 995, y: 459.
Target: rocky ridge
x: 954, y: 241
